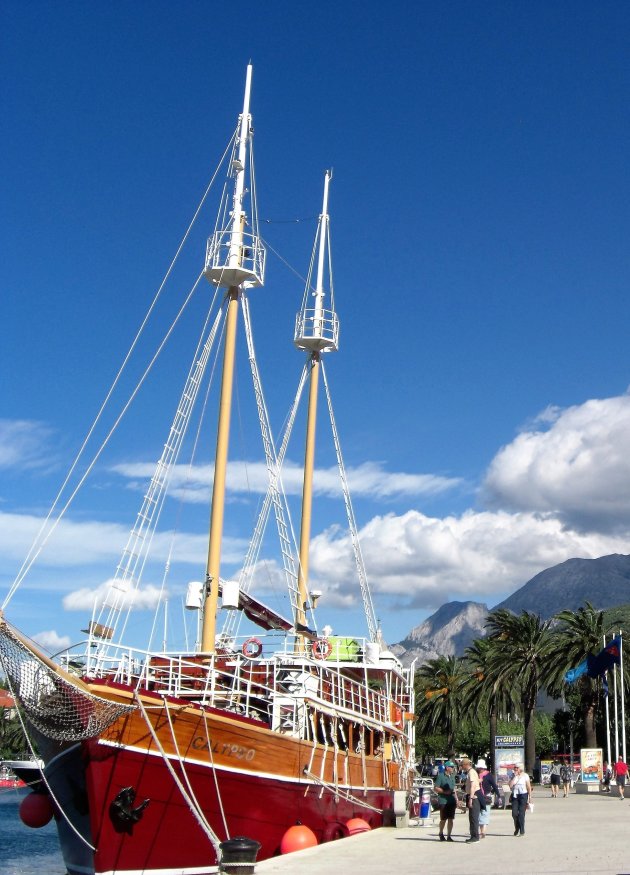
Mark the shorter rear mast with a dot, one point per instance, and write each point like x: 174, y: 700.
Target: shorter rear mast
x: 317, y: 331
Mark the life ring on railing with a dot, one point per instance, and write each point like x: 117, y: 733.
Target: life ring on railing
x: 396, y: 714
x: 252, y: 648
x: 321, y: 648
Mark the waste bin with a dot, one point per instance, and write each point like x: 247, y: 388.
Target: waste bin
x: 236, y: 853
x: 425, y: 805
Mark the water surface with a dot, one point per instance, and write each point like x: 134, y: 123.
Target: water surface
x: 25, y: 851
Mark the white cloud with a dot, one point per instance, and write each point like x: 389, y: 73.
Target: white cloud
x: 424, y: 561
x: 51, y: 641
x: 144, y: 598
x: 577, y: 468
x: 23, y: 444
x: 193, y: 484
x: 74, y: 544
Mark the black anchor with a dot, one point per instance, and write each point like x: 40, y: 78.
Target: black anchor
x: 122, y: 812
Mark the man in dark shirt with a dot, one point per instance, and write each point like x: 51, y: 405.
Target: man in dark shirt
x: 447, y: 799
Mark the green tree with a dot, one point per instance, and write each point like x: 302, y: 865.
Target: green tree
x: 522, y: 646
x: 485, y: 696
x: 580, y: 633
x: 438, y: 686
x: 12, y: 742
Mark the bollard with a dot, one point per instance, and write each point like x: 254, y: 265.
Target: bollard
x: 238, y: 856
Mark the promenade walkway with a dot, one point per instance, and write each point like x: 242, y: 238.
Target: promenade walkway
x: 585, y: 834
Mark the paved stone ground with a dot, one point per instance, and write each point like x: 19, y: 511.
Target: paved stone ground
x: 584, y: 834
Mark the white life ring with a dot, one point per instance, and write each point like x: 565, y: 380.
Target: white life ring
x: 321, y: 648
x: 252, y: 648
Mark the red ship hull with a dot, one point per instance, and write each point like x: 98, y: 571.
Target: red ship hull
x: 167, y: 839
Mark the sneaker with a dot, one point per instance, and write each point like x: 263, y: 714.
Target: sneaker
x: 471, y: 841
x: 442, y: 837
x: 516, y: 832
x: 449, y: 839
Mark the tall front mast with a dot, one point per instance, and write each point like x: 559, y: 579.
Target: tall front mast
x: 316, y: 331
x: 234, y: 260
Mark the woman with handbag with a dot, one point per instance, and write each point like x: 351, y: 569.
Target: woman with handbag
x: 521, y: 796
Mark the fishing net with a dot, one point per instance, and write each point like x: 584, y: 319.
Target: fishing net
x: 57, y: 707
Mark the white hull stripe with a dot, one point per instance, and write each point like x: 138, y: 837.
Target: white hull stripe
x: 270, y: 776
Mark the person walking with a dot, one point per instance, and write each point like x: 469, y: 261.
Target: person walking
x: 521, y: 796
x: 620, y: 770
x: 488, y: 786
x: 606, y: 776
x: 447, y: 799
x: 472, y: 800
x: 565, y: 777
x: 554, y: 779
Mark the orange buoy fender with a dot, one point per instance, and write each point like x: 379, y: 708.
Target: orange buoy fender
x: 356, y: 825
x: 296, y: 838
x: 36, y: 810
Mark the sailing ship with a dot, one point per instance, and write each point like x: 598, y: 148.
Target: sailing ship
x: 154, y: 759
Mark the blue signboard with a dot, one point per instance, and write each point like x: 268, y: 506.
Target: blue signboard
x: 508, y: 741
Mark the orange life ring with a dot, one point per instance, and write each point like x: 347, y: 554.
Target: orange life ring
x: 252, y: 648
x: 321, y: 648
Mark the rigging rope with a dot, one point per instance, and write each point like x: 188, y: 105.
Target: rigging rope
x: 345, y: 794
x: 192, y: 804
x: 26, y: 567
x: 34, y: 550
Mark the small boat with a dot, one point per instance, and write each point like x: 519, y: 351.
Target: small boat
x: 155, y: 758
x: 21, y: 773
x: 8, y: 779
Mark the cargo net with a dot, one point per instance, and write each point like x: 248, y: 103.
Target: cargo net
x: 52, y: 703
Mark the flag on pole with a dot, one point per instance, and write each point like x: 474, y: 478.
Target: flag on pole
x: 605, y: 659
x: 596, y: 664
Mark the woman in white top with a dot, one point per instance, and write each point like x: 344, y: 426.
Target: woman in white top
x: 521, y: 794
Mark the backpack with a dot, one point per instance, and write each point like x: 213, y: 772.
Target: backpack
x: 564, y: 773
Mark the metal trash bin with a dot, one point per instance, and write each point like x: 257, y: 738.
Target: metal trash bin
x: 236, y: 853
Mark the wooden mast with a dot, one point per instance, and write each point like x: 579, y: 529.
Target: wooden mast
x: 232, y: 268
x: 312, y: 335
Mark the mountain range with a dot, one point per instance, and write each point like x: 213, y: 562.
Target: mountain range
x: 604, y: 582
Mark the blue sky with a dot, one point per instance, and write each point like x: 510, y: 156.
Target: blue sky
x: 479, y: 224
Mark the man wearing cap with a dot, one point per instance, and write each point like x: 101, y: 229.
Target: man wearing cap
x: 447, y: 799
x: 472, y: 800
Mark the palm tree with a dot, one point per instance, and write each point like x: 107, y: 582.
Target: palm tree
x: 439, y: 684
x: 483, y: 691
x: 581, y: 633
x: 12, y: 741
x: 519, y: 660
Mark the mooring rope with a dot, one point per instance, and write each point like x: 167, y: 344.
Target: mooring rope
x: 192, y: 804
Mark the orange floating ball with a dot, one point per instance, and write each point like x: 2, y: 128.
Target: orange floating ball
x: 36, y: 810
x: 356, y: 825
x: 296, y: 838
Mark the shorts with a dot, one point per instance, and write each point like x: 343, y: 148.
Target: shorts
x: 447, y: 811
x: 555, y: 780
x: 620, y: 780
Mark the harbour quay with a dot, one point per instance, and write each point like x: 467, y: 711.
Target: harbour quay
x: 584, y: 834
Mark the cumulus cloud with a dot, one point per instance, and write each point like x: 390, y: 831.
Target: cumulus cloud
x: 114, y: 593
x: 76, y: 543
x: 51, y: 641
x: 572, y: 463
x: 194, y: 484
x: 23, y: 444
x: 423, y: 562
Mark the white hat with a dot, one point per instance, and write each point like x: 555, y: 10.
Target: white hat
x: 481, y: 763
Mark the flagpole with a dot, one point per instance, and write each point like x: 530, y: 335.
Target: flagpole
x: 616, y: 715
x: 623, y: 704
x: 607, y: 717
